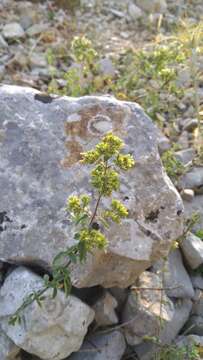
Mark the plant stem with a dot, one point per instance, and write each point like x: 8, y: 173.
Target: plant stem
x: 100, y: 196
x: 95, y: 210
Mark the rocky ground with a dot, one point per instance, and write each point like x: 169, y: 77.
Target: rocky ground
x: 35, y: 48
x: 29, y: 29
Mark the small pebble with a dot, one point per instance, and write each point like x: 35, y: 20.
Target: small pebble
x: 187, y: 194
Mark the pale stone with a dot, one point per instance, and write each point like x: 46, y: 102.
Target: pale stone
x: 192, y: 248
x: 52, y: 331
x: 142, y: 312
x: 187, y: 194
x: 13, y: 31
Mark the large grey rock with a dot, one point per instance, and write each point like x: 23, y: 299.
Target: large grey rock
x: 8, y: 350
x: 143, y: 313
x: 109, y: 346
x: 192, y: 248
x: 41, y: 141
x: 175, y: 278
x: 51, y: 332
x: 168, y: 332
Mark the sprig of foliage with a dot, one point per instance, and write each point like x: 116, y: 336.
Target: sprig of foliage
x: 174, y: 167
x: 88, y: 220
x: 174, y: 352
x: 199, y: 233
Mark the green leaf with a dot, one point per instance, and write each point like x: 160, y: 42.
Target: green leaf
x: 59, y: 258
x: 54, y: 293
x: 81, y: 218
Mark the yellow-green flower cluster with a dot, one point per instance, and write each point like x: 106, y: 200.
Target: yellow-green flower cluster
x: 117, y: 212
x: 125, y: 162
x: 106, y: 149
x: 109, y: 146
x: 90, y: 157
x: 105, y: 180
x: 92, y: 239
x: 83, y: 50
x: 77, y: 204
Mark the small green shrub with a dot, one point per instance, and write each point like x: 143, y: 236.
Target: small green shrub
x: 108, y: 161
x: 84, y: 77
x: 173, y: 352
x: 174, y: 168
x: 149, y: 77
x: 199, y: 233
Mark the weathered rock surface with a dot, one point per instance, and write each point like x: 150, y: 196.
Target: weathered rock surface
x: 143, y: 311
x: 175, y: 278
x: 110, y: 346
x: 192, y: 248
x: 41, y: 141
x: 51, y: 332
x: 8, y: 350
